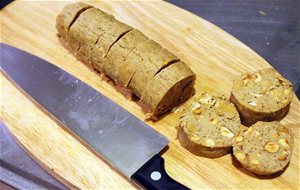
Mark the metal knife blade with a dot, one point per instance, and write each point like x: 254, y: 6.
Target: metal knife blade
x: 122, y: 139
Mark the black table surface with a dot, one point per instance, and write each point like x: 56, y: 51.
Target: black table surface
x: 271, y: 28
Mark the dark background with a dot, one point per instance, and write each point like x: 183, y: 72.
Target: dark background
x: 270, y: 27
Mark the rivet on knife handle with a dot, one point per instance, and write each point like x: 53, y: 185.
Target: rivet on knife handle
x: 153, y: 175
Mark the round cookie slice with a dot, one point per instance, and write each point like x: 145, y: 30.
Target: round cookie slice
x: 265, y: 148
x: 261, y: 96
x: 208, y: 126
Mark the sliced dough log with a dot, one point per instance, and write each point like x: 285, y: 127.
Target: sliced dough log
x: 208, y: 126
x: 165, y: 90
x: 120, y: 50
x: 111, y: 35
x: 69, y: 16
x: 133, y: 61
x: 156, y: 61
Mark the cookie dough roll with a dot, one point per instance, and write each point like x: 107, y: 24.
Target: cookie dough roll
x: 208, y: 126
x: 133, y: 61
x: 261, y: 96
x: 265, y: 148
x: 68, y: 16
x: 120, y: 50
x: 165, y: 90
x: 158, y: 59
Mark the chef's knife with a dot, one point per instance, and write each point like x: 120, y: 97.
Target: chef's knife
x: 127, y: 143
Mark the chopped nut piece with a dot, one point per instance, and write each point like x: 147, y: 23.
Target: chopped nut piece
x: 240, y: 156
x: 275, y: 136
x: 205, y: 99
x: 197, y: 111
x: 283, y: 156
x: 209, y: 142
x: 240, y: 145
x: 195, y: 105
x: 239, y: 139
x: 284, y: 143
x: 214, y: 121
x: 266, y: 86
x: 258, y: 77
x: 254, y: 162
x: 271, y: 147
x: 195, y: 138
x: 228, y: 110
x: 252, y: 103
x: 257, y: 94
x: 249, y: 131
x: 287, y: 91
x: 282, y: 130
x: 257, y: 133
x: 226, y: 132
x: 285, y: 101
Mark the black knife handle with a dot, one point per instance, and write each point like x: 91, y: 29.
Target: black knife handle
x: 153, y: 176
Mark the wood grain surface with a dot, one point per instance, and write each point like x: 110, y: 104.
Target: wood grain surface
x: 215, y: 56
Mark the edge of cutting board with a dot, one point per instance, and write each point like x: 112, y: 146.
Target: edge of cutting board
x: 74, y: 164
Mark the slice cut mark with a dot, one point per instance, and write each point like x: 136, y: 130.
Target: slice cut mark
x: 69, y: 15
x: 106, y: 41
x: 91, y: 24
x: 102, y: 25
x: 158, y: 59
x: 82, y: 40
x: 127, y: 70
x: 120, y: 50
x: 97, y: 20
x: 77, y: 15
x: 165, y: 89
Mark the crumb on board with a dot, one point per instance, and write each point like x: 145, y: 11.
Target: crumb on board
x: 261, y: 12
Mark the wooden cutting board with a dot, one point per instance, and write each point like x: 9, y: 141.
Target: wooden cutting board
x: 215, y: 56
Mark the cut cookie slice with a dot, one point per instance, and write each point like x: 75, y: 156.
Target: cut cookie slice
x: 82, y: 40
x: 156, y: 61
x: 164, y: 92
x: 208, y: 126
x: 68, y: 16
x: 133, y: 61
x: 106, y: 41
x: 265, y: 148
x: 120, y: 50
x: 97, y: 20
x: 261, y: 96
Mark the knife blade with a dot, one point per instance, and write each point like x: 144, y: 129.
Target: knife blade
x: 127, y: 143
